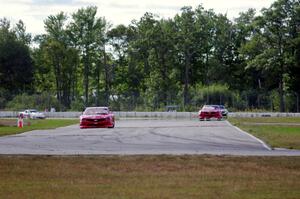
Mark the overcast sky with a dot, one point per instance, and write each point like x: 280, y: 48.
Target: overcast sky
x: 34, y: 12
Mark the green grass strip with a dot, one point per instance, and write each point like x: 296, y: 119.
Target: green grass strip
x: 277, y: 132
x: 30, y: 125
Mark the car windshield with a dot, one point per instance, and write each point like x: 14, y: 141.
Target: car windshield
x: 210, y: 107
x: 33, y: 111
x: 207, y: 107
x: 96, y: 111
x: 215, y: 106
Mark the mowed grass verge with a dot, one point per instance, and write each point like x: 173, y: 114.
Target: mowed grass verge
x: 162, y: 176
x: 277, y: 132
x: 9, y: 126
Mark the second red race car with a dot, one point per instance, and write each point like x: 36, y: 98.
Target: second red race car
x: 208, y: 111
x: 97, y: 117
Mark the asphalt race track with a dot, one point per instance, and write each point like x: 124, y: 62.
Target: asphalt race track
x: 132, y: 137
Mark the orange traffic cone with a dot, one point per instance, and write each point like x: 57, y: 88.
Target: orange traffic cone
x: 20, y: 123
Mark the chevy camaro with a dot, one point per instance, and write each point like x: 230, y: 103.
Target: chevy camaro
x: 208, y: 111
x: 97, y: 117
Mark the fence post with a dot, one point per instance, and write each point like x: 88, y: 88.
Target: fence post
x: 297, y: 102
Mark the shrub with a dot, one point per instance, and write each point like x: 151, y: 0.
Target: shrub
x: 213, y: 94
x: 42, y: 101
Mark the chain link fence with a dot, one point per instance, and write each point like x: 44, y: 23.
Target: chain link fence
x: 234, y: 102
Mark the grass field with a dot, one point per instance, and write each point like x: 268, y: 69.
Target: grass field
x: 150, y: 177
x: 277, y: 132
x: 9, y: 126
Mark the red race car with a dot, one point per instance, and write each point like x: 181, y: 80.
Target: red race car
x: 208, y: 111
x: 97, y: 117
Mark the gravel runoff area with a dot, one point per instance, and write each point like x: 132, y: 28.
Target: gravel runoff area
x: 132, y: 137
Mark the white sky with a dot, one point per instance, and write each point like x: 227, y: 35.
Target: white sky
x: 34, y: 12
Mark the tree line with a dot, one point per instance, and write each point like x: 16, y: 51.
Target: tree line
x: 194, y: 58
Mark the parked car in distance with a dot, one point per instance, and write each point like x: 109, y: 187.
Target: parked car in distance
x: 97, y: 117
x: 32, y: 114
x: 224, y: 111
x: 210, y: 111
